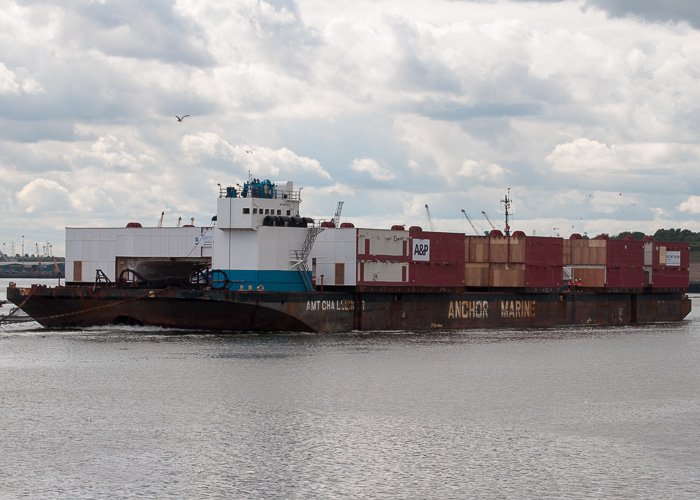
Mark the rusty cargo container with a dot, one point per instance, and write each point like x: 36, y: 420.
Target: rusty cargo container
x: 507, y: 249
x: 544, y: 259
x: 670, y: 266
x: 624, y: 267
x: 588, y: 252
x: 476, y: 275
x: 477, y: 249
x: 437, y: 259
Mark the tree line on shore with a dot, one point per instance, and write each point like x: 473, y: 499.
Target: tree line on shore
x: 680, y: 235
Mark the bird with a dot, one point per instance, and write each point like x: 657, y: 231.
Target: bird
x: 180, y: 118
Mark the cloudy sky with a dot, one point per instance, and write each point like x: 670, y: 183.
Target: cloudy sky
x: 588, y: 110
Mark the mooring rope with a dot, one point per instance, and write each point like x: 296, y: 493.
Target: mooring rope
x: 6, y: 319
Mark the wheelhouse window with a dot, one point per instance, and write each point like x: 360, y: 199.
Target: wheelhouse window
x: 246, y: 211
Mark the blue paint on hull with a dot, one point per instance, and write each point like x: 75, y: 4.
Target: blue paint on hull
x: 269, y: 281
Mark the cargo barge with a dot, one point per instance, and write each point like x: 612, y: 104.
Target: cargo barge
x: 260, y: 266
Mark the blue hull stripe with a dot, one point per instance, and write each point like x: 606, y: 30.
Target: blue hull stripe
x: 269, y: 281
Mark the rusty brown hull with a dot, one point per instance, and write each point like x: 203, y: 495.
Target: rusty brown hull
x: 235, y: 311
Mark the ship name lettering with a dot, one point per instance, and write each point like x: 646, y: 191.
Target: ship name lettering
x: 466, y: 309
x: 313, y: 305
x: 517, y: 309
x: 332, y: 305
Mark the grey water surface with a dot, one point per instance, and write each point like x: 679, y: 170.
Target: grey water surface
x: 585, y: 412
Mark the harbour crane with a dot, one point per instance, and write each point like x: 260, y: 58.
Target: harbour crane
x: 489, y: 220
x: 430, y: 219
x: 336, y: 218
x: 471, y: 223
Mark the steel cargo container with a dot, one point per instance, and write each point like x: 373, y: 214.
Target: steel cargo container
x: 544, y: 262
x: 670, y: 265
x: 476, y: 249
x: 437, y: 259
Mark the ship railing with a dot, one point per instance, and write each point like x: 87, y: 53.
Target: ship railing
x: 277, y: 194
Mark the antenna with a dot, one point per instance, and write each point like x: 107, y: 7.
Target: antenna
x: 506, y: 202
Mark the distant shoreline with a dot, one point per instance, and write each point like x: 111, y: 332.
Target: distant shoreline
x: 31, y: 275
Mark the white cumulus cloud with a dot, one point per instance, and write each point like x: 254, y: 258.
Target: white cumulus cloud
x: 692, y: 205
x: 46, y: 195
x: 482, y: 170
x: 373, y: 168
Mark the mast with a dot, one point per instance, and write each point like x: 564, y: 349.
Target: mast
x: 506, y: 202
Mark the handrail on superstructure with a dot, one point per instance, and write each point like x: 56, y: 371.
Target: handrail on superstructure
x: 299, y: 257
x: 269, y: 191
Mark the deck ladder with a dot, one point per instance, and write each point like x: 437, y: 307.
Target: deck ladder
x: 299, y: 257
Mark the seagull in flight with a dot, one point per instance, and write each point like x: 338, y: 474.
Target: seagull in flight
x: 180, y: 118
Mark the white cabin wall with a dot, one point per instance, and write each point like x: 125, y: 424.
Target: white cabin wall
x: 98, y: 248
x: 230, y: 211
x: 220, y: 258
x: 336, y: 246
x: 74, y: 250
x: 235, y: 249
x: 277, y: 245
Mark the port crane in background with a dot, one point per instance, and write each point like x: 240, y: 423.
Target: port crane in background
x: 476, y: 231
x: 336, y: 218
x: 430, y: 218
x: 489, y: 220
